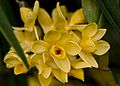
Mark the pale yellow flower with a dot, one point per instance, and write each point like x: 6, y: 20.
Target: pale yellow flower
x: 89, y: 40
x: 13, y: 60
x: 53, y: 52
x: 58, y: 20
x: 29, y: 16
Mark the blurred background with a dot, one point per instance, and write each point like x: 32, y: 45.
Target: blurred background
x: 11, y: 10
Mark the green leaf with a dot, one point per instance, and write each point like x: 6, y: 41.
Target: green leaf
x: 103, y: 77
x: 6, y: 30
x: 91, y: 10
x: 111, y: 10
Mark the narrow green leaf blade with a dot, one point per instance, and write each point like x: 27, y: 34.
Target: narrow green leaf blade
x: 6, y: 30
x: 91, y: 10
x: 111, y: 10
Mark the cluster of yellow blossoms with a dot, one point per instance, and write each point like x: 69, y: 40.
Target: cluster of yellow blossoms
x: 67, y: 46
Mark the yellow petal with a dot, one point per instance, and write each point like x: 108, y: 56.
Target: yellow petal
x: 76, y: 27
x: 58, y: 18
x: 63, y: 64
x: 11, y: 59
x: 64, y: 10
x: 43, y: 81
x: 101, y: 47
x: 79, y: 73
x: 72, y: 48
x: 50, y: 61
x: 88, y: 45
x: 78, y: 64
x: 19, y: 28
x: 100, y: 33
x: 45, y: 20
x: 20, y: 35
x: 19, y: 69
x: 30, y: 36
x: 75, y: 37
x: 52, y: 36
x: 77, y: 17
x: 26, y: 14
x: 39, y: 67
x: 35, y: 9
x: 60, y: 75
x: 36, y: 60
x: 40, y: 46
x: 46, y: 71
x: 89, y: 31
x: 88, y: 58
x: 65, y: 37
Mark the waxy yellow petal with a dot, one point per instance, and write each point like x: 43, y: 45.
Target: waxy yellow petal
x: 58, y: 18
x: 43, y: 81
x: 30, y: 36
x: 11, y: 59
x: 72, y: 48
x: 46, y: 71
x: 100, y: 33
x: 36, y: 60
x: 65, y: 37
x: 75, y: 37
x: 64, y: 10
x: 79, y: 73
x: 45, y: 20
x: 19, y: 35
x: 88, y: 45
x: 60, y: 75
x: 63, y: 64
x: 88, y: 58
x: 19, y: 69
x: 89, y: 31
x: 77, y: 17
x: 26, y: 14
x: 40, y: 46
x: 50, y: 61
x: 35, y: 9
x: 52, y: 36
x: 101, y: 47
x: 78, y: 64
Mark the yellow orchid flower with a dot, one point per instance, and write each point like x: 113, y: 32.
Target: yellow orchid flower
x: 55, y: 49
x: 25, y: 39
x: 58, y: 20
x: 29, y: 16
x: 13, y: 60
x: 58, y: 45
x: 89, y: 40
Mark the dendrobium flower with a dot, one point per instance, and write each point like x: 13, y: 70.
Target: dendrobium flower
x: 91, y: 44
x: 29, y: 16
x: 55, y: 49
x: 64, y: 49
x: 58, y: 20
x: 13, y: 60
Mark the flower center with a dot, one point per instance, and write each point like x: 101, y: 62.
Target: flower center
x: 58, y: 51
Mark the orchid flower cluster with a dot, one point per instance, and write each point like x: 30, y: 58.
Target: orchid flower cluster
x: 60, y: 46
